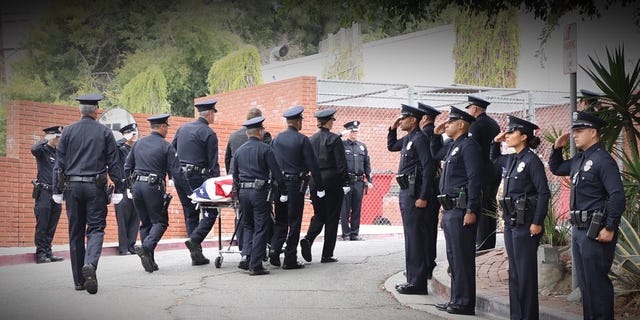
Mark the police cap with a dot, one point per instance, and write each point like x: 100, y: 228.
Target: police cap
x: 325, y: 114
x: 254, y: 122
x: 206, y: 104
x: 521, y: 125
x: 90, y: 99
x: 53, y: 130
x: 158, y: 119
x: 477, y: 101
x: 588, y: 94
x: 131, y: 127
x: 352, y: 125
x: 583, y: 119
x: 294, y: 112
x: 457, y: 114
x: 429, y: 110
x: 409, y: 111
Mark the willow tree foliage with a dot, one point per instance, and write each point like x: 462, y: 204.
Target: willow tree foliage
x: 147, y: 92
x: 239, y: 69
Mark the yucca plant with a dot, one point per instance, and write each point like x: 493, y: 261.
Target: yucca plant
x: 627, y: 257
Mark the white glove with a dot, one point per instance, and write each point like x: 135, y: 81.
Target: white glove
x: 369, y: 185
x: 171, y: 184
x: 346, y: 189
x: 57, y: 198
x: 129, y: 195
x: 284, y: 198
x: 116, y: 198
x: 320, y: 194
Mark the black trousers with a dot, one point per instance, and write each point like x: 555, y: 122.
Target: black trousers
x: 415, y: 235
x: 461, y: 255
x: 256, y: 212
x: 87, y: 214
x: 147, y: 200
x: 486, y: 220
x: 197, y: 229
x: 128, y: 225
x: 592, y: 261
x: 431, y: 236
x: 47, y: 215
x: 522, y: 250
x: 351, y: 210
x: 288, y: 222
x: 326, y: 213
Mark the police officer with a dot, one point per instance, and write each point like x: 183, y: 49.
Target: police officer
x: 151, y: 159
x: 329, y: 149
x: 86, y: 152
x: 460, y: 197
x: 524, y: 202
x: 416, y: 173
x: 46, y: 211
x: 126, y: 216
x: 296, y: 159
x: 197, y: 147
x: 359, y: 167
x: 596, y: 190
x: 483, y: 130
x: 255, y: 166
x: 433, y: 206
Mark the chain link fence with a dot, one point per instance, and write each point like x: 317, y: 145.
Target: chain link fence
x: 376, y: 105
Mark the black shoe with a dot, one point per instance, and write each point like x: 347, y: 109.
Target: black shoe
x: 411, y: 289
x: 305, y: 247
x: 155, y: 266
x: 401, y: 285
x: 345, y: 238
x: 328, y: 260
x: 199, y: 260
x: 42, y: 259
x: 79, y: 287
x: 124, y: 253
x: 244, y: 263
x: 469, y: 311
x: 291, y: 266
x: 356, y: 238
x: 258, y: 272
x: 274, y: 259
x: 54, y: 258
x: 145, y: 258
x: 90, y: 280
x: 442, y: 306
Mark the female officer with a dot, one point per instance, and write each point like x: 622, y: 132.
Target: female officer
x: 524, y: 204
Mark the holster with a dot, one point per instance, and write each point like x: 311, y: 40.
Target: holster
x: 403, y: 181
x: 101, y: 180
x: 36, y: 189
x: 412, y: 185
x: 596, y: 225
x: 304, y: 183
x: 109, y: 190
x: 166, y: 200
x: 446, y: 202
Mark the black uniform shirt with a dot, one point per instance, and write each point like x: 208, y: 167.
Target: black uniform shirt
x: 357, y: 157
x: 329, y: 149
x: 596, y: 179
x: 45, y: 160
x: 524, y: 176
x: 295, y: 155
x: 415, y: 153
x: 255, y: 160
x: 462, y: 169
x: 88, y: 148
x: 154, y: 154
x: 197, y: 144
x: 123, y: 150
x: 483, y: 130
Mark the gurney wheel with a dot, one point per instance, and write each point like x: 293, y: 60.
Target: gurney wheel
x: 218, y: 262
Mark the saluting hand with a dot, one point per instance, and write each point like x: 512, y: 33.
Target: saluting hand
x: 562, y: 141
x: 605, y: 236
x: 500, y: 137
x: 396, y: 123
x: 439, y: 129
x: 469, y: 219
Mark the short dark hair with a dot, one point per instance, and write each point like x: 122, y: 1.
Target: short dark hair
x: 156, y: 125
x: 253, y: 112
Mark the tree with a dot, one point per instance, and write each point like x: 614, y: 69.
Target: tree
x: 239, y: 69
x: 147, y: 92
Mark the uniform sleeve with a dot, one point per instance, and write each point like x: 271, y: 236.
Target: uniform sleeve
x: 428, y: 168
x: 130, y: 163
x: 499, y: 160
x: 367, y: 164
x: 212, y: 155
x: 538, y: 178
x: 473, y: 165
x: 175, y: 171
x: 312, y: 163
x: 557, y: 165
x: 341, y: 160
x: 38, y: 148
x: 393, y: 144
x: 116, y: 173
x: 174, y: 142
x: 61, y: 151
x: 612, y: 182
x: 275, y: 171
x: 438, y: 148
x: 228, y: 156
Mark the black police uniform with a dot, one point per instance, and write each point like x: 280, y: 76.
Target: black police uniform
x: 359, y: 167
x: 86, y: 152
x: 416, y: 172
x: 596, y: 186
x: 255, y: 166
x: 46, y: 211
x: 433, y: 206
x: 483, y: 130
x: 151, y: 159
x: 461, y: 177
x: 296, y: 159
x: 524, y: 183
x: 126, y: 216
x: 329, y: 150
x: 197, y: 147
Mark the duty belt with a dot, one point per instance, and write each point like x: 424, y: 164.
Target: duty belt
x: 247, y: 185
x: 356, y: 177
x: 189, y: 168
x: 88, y: 179
x: 581, y: 218
x: 142, y: 178
x: 293, y: 176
